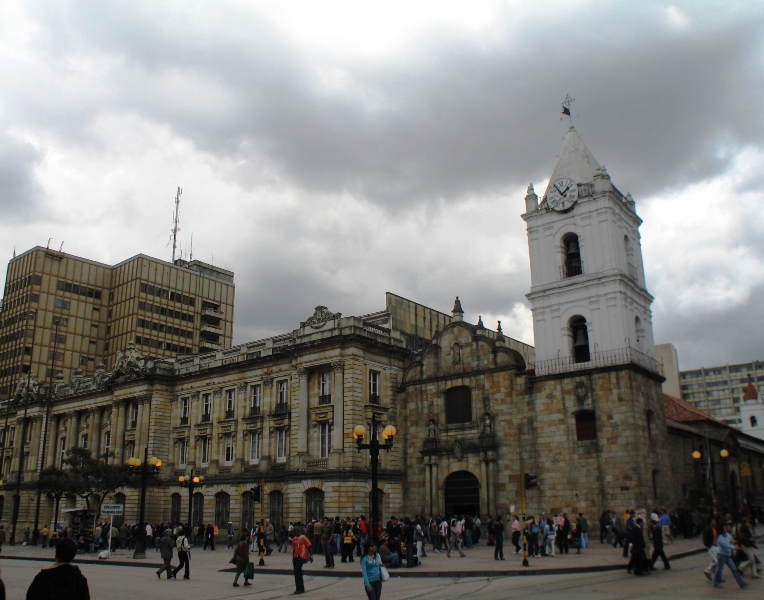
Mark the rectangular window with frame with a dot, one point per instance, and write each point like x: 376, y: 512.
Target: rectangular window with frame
x: 283, y: 395
x: 184, y: 409
x: 281, y: 445
x: 183, y: 452
x: 230, y: 403
x: 61, y: 452
x: 107, y: 443
x: 11, y: 435
x: 205, y: 451
x: 374, y: 387
x: 206, y: 407
x: 325, y: 437
x: 228, y: 445
x: 256, y: 399
x: 254, y: 447
x: 325, y: 392
x: 84, y: 441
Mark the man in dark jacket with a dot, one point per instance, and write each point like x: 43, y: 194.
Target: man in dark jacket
x: 166, y: 547
x: 61, y: 580
x: 657, y: 531
x: 638, y: 560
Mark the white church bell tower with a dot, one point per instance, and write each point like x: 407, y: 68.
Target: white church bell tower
x: 588, y: 295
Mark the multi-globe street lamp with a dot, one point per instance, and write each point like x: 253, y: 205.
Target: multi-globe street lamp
x: 374, y: 446
x: 191, y: 482
x: 144, y: 467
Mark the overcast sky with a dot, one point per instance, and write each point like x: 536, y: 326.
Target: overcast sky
x: 330, y: 152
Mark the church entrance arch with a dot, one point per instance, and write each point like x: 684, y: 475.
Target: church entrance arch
x: 462, y: 494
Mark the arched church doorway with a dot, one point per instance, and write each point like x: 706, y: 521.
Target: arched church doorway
x: 462, y: 494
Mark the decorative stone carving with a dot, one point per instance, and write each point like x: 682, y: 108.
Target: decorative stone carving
x: 581, y: 391
x: 301, y: 372
x: 456, y: 353
x: 320, y: 317
x: 194, y: 396
x: 457, y: 450
x: 130, y: 364
x: 217, y: 393
x: 486, y: 425
x: 432, y: 430
x: 338, y: 365
x: 28, y: 388
x: 267, y: 382
x: 242, y: 389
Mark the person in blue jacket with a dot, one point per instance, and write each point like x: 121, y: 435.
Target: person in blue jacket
x: 370, y: 567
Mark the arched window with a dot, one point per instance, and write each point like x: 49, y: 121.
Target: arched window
x: 222, y: 509
x: 571, y: 250
x: 754, y: 423
x: 314, y: 505
x: 198, y: 509
x: 247, y: 509
x: 458, y: 405
x: 276, y: 509
x: 639, y: 332
x: 119, y: 498
x: 586, y: 425
x: 175, y: 509
x: 580, y: 337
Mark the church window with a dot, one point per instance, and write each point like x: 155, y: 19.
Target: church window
x: 458, y: 405
x: 572, y: 264
x: 754, y: 422
x: 639, y: 332
x: 586, y: 426
x: 580, y: 338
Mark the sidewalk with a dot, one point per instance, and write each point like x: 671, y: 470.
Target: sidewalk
x: 478, y: 562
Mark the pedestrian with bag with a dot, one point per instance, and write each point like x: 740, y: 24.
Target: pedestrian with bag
x: 726, y: 549
x: 371, y: 569
x: 748, y: 544
x: 166, y: 547
x: 242, y: 560
x: 301, y: 553
x: 184, y: 555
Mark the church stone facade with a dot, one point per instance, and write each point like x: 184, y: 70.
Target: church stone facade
x: 474, y: 409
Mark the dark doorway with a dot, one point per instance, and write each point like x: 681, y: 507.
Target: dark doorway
x: 462, y: 491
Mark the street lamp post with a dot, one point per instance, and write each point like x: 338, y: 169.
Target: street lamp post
x: 191, y: 482
x: 144, y: 467
x: 374, y: 446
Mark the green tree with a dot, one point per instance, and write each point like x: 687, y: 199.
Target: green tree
x: 56, y: 483
x: 90, y: 477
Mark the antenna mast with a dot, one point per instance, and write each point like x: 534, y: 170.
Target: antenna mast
x: 175, y: 221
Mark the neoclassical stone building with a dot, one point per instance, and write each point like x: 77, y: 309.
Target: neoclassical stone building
x: 474, y: 409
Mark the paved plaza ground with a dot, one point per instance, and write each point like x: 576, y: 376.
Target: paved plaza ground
x: 595, y: 573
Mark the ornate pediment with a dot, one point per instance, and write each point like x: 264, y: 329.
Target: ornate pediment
x: 320, y: 317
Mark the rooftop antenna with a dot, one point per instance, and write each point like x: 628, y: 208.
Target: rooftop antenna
x: 191, y: 255
x: 48, y: 246
x: 61, y: 247
x: 175, y: 221
x: 566, y: 104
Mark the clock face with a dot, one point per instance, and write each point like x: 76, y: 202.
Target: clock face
x: 562, y: 194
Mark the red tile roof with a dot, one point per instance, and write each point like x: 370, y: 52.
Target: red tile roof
x: 750, y: 392
x: 684, y: 412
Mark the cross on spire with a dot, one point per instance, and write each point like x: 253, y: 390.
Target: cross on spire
x: 566, y: 104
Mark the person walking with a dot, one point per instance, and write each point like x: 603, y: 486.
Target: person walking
x: 456, y: 534
x: 748, y: 543
x: 372, y: 573
x: 657, y: 531
x: 231, y: 533
x: 498, y: 538
x: 184, y: 548
x: 166, y: 546
x: 638, y: 560
x: 710, y: 534
x: 516, y: 534
x: 726, y: 548
x: 209, y: 537
x: 550, y: 533
x: 348, y: 542
x: 301, y: 553
x: 327, y: 538
x: 242, y: 558
x: 584, y: 530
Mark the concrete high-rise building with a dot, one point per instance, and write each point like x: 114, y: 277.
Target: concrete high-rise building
x: 719, y: 390
x: 65, y: 313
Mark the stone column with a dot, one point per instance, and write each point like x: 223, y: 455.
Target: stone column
x: 142, y: 433
x: 35, y: 423
x: 118, y: 431
x: 71, y: 430
x: 53, y: 425
x: 95, y: 430
x: 267, y: 445
x: 338, y: 398
x: 428, y: 485
x: 192, y: 416
x: 302, y: 412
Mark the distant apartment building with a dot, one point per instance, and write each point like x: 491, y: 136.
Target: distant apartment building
x: 718, y: 390
x: 62, y: 313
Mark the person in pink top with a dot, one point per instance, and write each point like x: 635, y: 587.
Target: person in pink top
x: 516, y: 528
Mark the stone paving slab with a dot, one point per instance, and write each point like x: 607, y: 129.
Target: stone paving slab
x: 478, y: 562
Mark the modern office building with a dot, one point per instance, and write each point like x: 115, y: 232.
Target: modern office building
x: 62, y: 313
x: 718, y: 391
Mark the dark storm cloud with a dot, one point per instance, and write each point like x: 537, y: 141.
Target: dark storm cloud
x: 20, y: 193
x: 660, y: 107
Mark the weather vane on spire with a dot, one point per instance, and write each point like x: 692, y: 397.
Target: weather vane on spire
x: 566, y: 108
